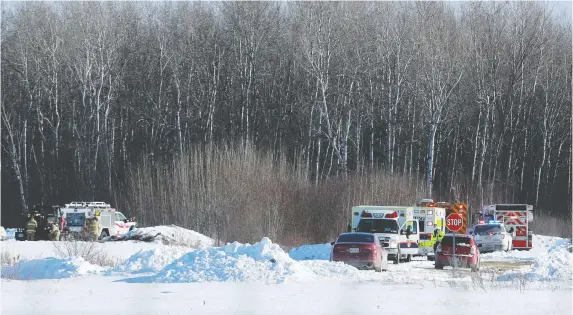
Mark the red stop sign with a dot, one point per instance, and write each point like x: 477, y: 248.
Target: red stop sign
x: 454, y: 222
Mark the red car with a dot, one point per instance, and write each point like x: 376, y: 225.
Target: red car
x: 361, y: 250
x: 467, y: 252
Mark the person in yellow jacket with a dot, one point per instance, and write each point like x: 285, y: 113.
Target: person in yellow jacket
x: 31, y: 227
x: 93, y: 229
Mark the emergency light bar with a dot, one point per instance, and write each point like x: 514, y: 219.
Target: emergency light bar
x: 494, y: 222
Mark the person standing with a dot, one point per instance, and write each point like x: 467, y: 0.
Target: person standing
x: 31, y: 226
x: 93, y: 229
x: 54, y: 232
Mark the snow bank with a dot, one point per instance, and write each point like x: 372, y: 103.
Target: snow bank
x: 263, y: 261
x: 169, y: 234
x: 151, y: 260
x: 311, y: 252
x: 552, y: 261
x: 49, y: 268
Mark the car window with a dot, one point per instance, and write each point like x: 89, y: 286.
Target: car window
x: 422, y: 225
x: 413, y: 227
x: 355, y: 238
x: 448, y: 240
x: 486, y: 229
x: 75, y: 219
x: 377, y: 226
x: 119, y: 216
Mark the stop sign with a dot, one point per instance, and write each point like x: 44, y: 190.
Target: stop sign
x: 454, y: 222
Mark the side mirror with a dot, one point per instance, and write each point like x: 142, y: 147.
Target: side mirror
x: 511, y: 230
x: 332, y: 243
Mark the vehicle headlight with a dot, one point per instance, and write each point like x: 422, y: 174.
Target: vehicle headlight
x: 393, y: 244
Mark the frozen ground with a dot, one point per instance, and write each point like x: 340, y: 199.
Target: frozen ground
x: 153, y: 278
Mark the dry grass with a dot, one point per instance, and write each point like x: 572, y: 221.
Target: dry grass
x: 8, y: 259
x: 244, y: 195
x: 241, y: 194
x: 545, y: 224
x: 89, y: 251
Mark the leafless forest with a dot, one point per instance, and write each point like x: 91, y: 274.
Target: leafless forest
x: 241, y: 120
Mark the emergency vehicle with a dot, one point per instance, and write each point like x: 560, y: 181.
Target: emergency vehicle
x: 394, y: 226
x: 429, y: 219
x: 516, y: 216
x: 451, y: 207
x: 111, y: 221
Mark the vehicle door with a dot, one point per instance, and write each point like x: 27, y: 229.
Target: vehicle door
x: 120, y: 223
x: 409, y: 238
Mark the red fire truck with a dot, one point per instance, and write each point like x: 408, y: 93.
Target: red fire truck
x: 518, y: 216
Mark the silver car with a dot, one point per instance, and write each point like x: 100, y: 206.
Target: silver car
x: 491, y: 237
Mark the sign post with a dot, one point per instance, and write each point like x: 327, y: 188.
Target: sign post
x: 454, y: 222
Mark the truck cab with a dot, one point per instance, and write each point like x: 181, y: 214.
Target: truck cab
x: 395, y: 227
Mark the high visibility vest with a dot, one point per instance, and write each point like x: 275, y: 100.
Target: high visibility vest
x: 93, y: 227
x: 438, y: 238
x: 31, y: 226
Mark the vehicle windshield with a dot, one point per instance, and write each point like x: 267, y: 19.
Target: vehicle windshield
x: 377, y: 226
x: 486, y: 229
x: 448, y: 241
x: 355, y: 238
x: 75, y: 219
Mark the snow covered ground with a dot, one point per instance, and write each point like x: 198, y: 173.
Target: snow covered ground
x: 153, y: 278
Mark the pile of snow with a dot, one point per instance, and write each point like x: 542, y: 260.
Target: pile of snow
x: 552, y: 260
x: 49, y: 268
x: 168, y: 234
x: 151, y: 260
x: 311, y: 252
x: 261, y: 262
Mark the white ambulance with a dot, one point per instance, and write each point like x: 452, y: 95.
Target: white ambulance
x: 429, y: 219
x: 111, y: 221
x: 394, y: 226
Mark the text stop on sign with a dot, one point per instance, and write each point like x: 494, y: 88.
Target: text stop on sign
x: 454, y: 222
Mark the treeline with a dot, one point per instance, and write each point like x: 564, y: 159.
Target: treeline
x: 476, y: 98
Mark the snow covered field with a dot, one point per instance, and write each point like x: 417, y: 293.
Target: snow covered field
x: 152, y: 278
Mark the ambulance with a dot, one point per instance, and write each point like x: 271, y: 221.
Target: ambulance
x: 111, y: 221
x: 394, y: 226
x: 429, y: 219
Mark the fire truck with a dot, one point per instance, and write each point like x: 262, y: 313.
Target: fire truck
x: 111, y: 221
x: 451, y: 207
x: 518, y: 216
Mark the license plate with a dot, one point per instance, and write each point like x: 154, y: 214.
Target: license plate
x: 353, y: 250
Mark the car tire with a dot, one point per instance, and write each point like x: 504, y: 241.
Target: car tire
x: 397, y: 258
x: 409, y: 258
x: 430, y: 258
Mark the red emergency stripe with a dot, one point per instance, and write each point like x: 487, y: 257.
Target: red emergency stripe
x: 122, y: 225
x: 521, y: 244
